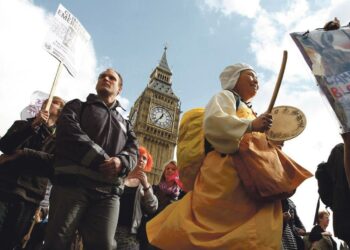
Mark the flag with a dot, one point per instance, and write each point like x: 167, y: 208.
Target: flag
x: 327, y: 53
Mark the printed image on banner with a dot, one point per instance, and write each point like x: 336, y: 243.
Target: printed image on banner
x: 66, y: 39
x: 328, y: 55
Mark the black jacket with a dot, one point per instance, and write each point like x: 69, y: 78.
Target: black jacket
x: 340, y: 198
x: 20, y: 184
x: 316, y: 235
x: 87, y: 134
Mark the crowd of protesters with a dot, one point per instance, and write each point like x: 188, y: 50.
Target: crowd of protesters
x: 85, y: 157
x: 78, y: 168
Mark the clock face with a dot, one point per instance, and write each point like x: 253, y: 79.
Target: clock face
x: 161, y: 117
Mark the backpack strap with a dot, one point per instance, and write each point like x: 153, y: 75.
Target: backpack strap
x: 238, y: 98
x: 83, y: 105
x: 316, y: 212
x: 207, y: 146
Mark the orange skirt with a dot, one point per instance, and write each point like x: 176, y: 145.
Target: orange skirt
x: 217, y: 214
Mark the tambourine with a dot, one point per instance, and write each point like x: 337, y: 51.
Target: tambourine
x: 288, y: 123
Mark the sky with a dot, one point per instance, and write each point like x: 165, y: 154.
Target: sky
x: 202, y: 37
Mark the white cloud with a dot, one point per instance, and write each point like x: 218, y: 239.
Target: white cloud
x: 124, y: 102
x: 294, y: 13
x: 228, y: 7
x: 338, y: 8
x: 26, y: 67
x: 211, y: 31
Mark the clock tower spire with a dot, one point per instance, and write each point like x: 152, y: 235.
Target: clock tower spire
x: 155, y: 117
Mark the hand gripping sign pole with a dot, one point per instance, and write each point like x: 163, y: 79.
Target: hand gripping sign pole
x: 279, y: 81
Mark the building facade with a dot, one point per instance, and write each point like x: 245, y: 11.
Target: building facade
x: 155, y: 117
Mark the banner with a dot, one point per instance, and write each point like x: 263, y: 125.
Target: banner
x: 66, y: 39
x: 36, y: 101
x: 328, y: 55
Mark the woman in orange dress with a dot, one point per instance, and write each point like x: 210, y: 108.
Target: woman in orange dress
x: 219, y: 213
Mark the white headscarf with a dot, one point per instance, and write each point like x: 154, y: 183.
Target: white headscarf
x: 230, y: 75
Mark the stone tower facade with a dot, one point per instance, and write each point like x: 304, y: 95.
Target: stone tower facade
x: 155, y: 118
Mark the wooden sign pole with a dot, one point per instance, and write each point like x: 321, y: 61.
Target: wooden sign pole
x: 25, y: 240
x: 53, y: 88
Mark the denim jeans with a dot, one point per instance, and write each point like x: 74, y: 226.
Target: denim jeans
x: 93, y: 213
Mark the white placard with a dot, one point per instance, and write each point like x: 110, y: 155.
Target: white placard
x: 66, y: 39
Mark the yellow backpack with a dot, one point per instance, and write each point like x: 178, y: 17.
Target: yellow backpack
x: 190, y: 146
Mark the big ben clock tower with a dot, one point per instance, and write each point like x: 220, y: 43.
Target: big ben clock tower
x: 155, y: 117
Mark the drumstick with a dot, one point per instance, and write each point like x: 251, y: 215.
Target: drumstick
x: 24, y: 244
x: 279, y: 81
